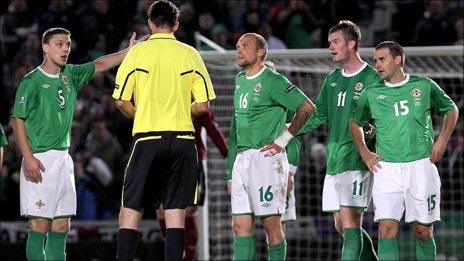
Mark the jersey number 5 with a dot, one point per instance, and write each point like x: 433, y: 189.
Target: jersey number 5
x: 60, y: 98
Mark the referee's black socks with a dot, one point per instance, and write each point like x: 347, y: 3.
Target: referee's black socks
x: 175, y: 244
x: 127, y: 244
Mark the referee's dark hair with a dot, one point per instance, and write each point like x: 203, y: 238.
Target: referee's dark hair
x: 163, y: 13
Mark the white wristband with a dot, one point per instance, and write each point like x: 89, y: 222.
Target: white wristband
x: 284, y: 139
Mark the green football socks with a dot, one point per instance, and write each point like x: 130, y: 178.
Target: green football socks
x: 35, y: 245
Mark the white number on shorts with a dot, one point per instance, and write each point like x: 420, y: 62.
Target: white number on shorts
x: 431, y: 202
x: 243, y: 100
x: 402, y: 109
x: 265, y: 196
x: 357, y: 190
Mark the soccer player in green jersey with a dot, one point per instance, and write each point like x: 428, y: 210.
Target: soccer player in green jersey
x: 258, y: 172
x: 405, y: 176
x: 3, y: 142
x: 348, y: 183
x: 42, y: 117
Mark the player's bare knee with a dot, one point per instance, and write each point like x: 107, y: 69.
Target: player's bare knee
x: 242, y: 228
x: 338, y: 223
x: 39, y: 225
x: 61, y: 225
x: 273, y: 228
x: 129, y: 218
x: 423, y: 233
x: 388, y: 229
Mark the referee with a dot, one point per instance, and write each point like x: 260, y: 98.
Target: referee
x: 155, y: 85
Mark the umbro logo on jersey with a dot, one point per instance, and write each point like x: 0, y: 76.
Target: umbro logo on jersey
x: 381, y: 97
x: 22, y: 100
x: 333, y: 84
x: 266, y: 205
x: 237, y: 86
x: 45, y: 85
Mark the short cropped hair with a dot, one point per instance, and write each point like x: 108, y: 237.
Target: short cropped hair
x: 350, y: 31
x: 261, y: 43
x: 47, y: 35
x: 163, y: 13
x: 395, y: 50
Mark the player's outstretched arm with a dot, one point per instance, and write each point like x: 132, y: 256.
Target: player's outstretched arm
x: 109, y: 61
x: 370, y: 159
x: 301, y: 116
x: 32, y: 166
x: 439, y: 146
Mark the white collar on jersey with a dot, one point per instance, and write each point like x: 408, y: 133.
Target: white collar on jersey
x: 47, y: 74
x: 256, y: 75
x: 354, y: 73
x: 398, y: 83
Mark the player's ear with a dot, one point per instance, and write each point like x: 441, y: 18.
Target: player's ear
x: 261, y: 53
x: 151, y: 25
x: 398, y: 61
x: 351, y: 44
x: 45, y: 48
x: 175, y: 27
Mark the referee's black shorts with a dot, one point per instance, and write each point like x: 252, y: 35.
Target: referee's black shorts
x: 162, y: 168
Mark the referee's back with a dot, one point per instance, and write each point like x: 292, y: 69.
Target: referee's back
x: 162, y: 76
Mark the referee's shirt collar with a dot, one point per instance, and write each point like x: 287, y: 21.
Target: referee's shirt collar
x: 162, y: 36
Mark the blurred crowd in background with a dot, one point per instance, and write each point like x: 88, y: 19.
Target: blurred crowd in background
x: 101, y: 134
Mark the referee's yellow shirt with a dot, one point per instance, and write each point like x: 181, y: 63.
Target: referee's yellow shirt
x: 162, y: 76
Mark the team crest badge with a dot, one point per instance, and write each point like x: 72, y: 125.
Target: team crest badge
x: 416, y: 93
x: 359, y: 86
x: 64, y: 79
x: 257, y: 88
x: 40, y: 204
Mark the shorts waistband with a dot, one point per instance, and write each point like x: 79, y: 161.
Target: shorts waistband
x: 164, y: 134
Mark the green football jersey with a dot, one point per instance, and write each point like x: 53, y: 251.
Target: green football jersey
x: 3, y: 140
x: 401, y: 114
x: 335, y: 104
x: 260, y: 110
x: 47, y: 102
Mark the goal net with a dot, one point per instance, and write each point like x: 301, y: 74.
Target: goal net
x: 313, y: 236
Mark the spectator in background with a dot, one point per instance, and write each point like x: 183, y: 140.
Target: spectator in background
x: 273, y: 42
x: 205, y: 23
x: 435, y: 28
x: 56, y: 14
x: 16, y: 24
x: 459, y: 27
x: 296, y: 24
x: 187, y: 24
x: 104, y: 145
x: 220, y: 35
x: 87, y: 195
